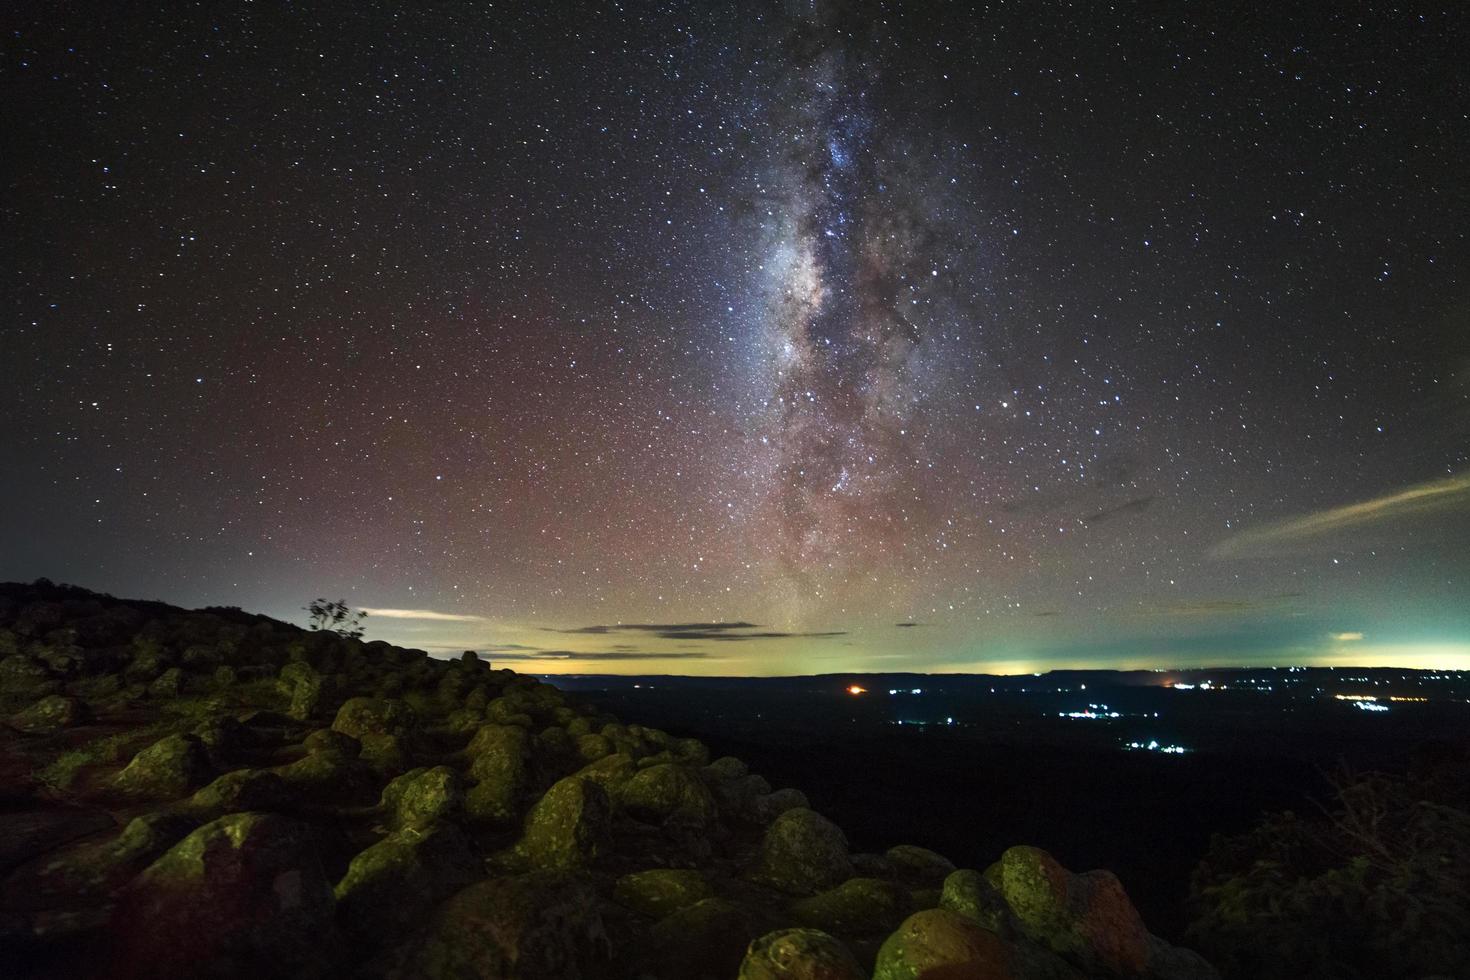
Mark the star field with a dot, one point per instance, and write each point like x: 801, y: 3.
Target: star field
x: 1069, y: 334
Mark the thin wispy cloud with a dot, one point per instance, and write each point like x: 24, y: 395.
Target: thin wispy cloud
x: 1434, y: 496
x: 441, y: 617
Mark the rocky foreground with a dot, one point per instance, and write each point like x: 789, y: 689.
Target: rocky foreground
x: 213, y: 793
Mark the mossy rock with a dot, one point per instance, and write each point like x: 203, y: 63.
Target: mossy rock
x: 500, y: 767
x: 919, y: 865
x: 777, y: 802
x: 538, y: 926
x: 242, y: 895
x: 169, y: 684
x: 593, y: 747
x: 803, y: 853
x: 727, y: 769
x: 167, y: 769
x: 939, y: 943
x: 305, y: 687
x: 327, y: 740
x: 388, y: 755
x: 968, y: 893
x: 328, y: 777
x: 52, y: 713
x: 799, y: 954
x: 95, y: 868
x: 423, y: 796
x: 243, y: 790
x: 857, y: 908
x: 392, y: 885
x: 669, y: 794
x: 568, y: 827
x: 705, y: 941
x: 360, y: 717
x: 661, y: 891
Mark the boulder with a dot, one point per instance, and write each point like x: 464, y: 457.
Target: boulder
x: 500, y: 767
x: 242, y: 790
x: 661, y: 891
x: 538, y: 926
x: 375, y: 716
x: 52, y: 713
x: 799, y: 954
x: 968, y: 893
x: 938, y: 943
x: 919, y: 865
x: 857, y: 908
x: 242, y: 895
x: 803, y: 853
x: 568, y: 827
x: 423, y: 796
x: 327, y: 740
x: 167, y: 769
x: 705, y: 941
x: 169, y: 684
x: 1087, y: 918
x: 328, y: 777
x: 392, y: 885
x: 301, y: 682
x: 669, y: 794
x: 773, y: 804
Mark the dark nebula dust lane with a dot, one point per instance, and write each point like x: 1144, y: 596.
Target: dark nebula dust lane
x: 1067, y: 336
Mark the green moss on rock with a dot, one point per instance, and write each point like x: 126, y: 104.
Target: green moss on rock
x: 423, y: 796
x: 392, y: 885
x: 803, y: 853
x: 568, y: 827
x: 938, y: 943
x: 661, y: 891
x: 799, y: 954
x: 167, y: 769
x: 52, y: 713
x: 859, y: 907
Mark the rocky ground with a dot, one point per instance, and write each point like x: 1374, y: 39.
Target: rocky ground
x: 213, y: 793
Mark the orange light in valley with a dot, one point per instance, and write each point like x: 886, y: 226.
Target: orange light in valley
x: 854, y: 689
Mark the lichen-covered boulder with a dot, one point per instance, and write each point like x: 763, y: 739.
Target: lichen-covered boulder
x: 223, y: 736
x: 242, y: 790
x: 167, y: 769
x: 422, y: 796
x: 1087, y: 918
x: 727, y: 769
x: 705, y: 941
x: 919, y: 865
x: 568, y: 827
x: 593, y: 747
x: 328, y: 777
x: 242, y: 895
x: 661, y: 891
x: 388, y: 755
x: 500, y: 768
x: 803, y: 852
x: 538, y: 926
x: 392, y: 885
x: 669, y: 794
x: 799, y: 954
x: 94, y: 868
x: 968, y: 893
x: 859, y: 907
x: 937, y: 943
x: 19, y: 672
x: 773, y: 804
x: 304, y: 686
x: 375, y: 716
x: 168, y: 684
x: 52, y: 713
x: 327, y: 740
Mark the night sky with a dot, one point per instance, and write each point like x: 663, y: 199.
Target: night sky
x: 751, y: 339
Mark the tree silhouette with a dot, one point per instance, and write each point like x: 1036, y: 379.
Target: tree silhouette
x: 335, y: 617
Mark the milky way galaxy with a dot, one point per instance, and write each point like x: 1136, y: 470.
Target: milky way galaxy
x: 644, y: 338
